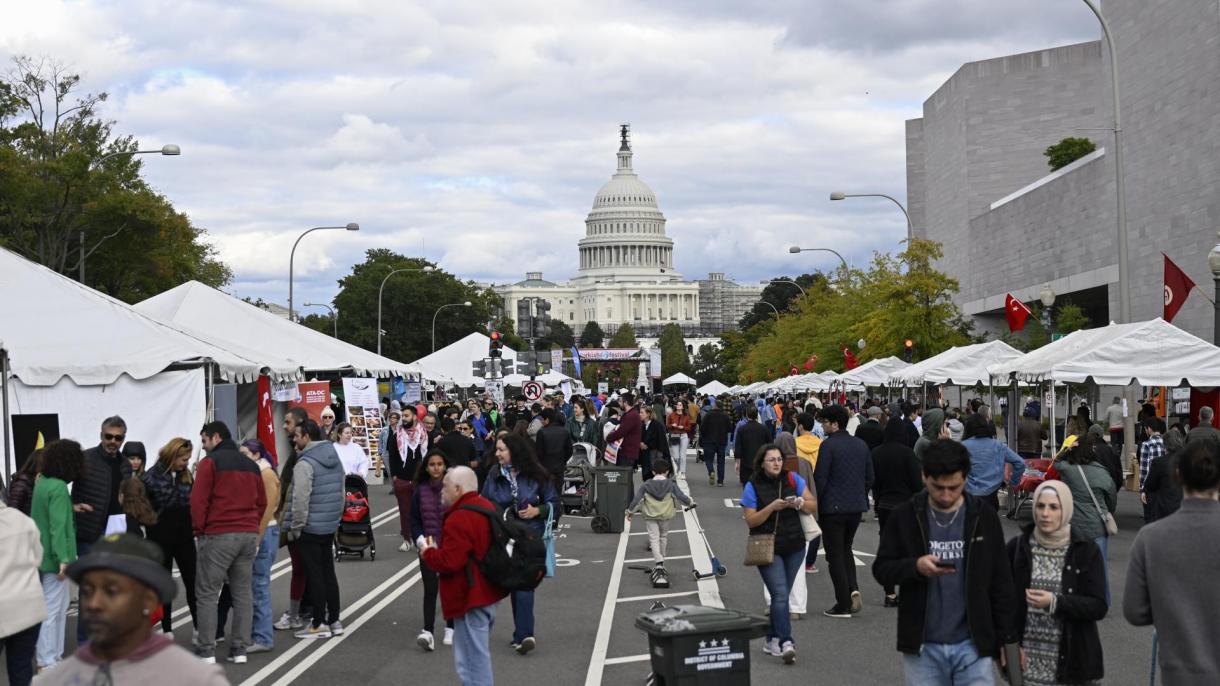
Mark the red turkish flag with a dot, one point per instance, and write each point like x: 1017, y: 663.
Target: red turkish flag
x: 849, y: 360
x: 1177, y: 287
x: 1016, y: 312
x: 266, y: 422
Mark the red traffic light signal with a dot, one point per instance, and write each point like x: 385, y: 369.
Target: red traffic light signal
x: 496, y: 344
x: 908, y: 343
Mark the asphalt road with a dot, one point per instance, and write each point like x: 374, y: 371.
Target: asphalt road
x: 585, y: 615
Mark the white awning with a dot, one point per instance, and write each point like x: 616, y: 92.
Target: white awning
x: 678, y: 379
x: 961, y: 366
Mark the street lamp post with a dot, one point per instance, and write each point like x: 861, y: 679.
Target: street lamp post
x: 438, y: 311
x: 292, y: 255
x: 381, y: 288
x: 1213, y: 261
x: 798, y: 286
x: 798, y: 249
x: 773, y: 308
x: 334, y: 316
x: 1047, y: 297
x: 170, y: 149
x: 839, y: 195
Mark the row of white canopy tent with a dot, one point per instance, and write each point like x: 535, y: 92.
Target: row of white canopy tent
x: 453, y: 365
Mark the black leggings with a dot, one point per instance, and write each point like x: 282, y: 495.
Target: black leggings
x: 431, y: 587
x: 321, y: 586
x: 178, y: 546
x: 883, y: 516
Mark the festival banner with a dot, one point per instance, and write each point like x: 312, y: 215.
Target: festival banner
x: 654, y: 363
x: 364, y: 414
x: 557, y: 359
x: 607, y: 354
x: 313, y: 397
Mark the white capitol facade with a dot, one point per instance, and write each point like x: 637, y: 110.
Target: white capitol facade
x: 627, y: 270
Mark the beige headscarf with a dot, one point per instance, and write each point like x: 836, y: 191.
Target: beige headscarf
x: 1063, y: 535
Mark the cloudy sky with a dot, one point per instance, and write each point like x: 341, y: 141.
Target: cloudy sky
x: 476, y: 133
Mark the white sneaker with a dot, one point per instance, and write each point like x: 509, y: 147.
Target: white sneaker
x: 405, y: 547
x: 771, y: 647
x: 336, y: 629
x: 788, y: 652
x: 448, y: 640
x: 426, y: 641
x: 288, y: 622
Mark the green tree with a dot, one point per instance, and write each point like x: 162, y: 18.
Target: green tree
x: 624, y: 337
x: 592, y: 336
x: 59, y: 206
x: 409, y: 303
x: 508, y: 333
x: 674, y: 358
x: 782, y: 295
x: 1065, y: 318
x: 322, y: 323
x: 623, y: 373
x: 1068, y: 151
x: 561, y: 337
x: 707, y: 364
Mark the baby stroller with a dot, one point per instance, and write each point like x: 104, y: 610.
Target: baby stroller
x: 355, y: 533
x: 1020, y: 502
x: 577, y: 495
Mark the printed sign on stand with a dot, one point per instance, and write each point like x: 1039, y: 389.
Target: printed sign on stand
x: 495, y: 389
x: 364, y: 414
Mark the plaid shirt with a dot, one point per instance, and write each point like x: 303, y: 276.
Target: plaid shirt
x: 1150, y: 450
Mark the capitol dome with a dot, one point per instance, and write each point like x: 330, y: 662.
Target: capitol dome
x: 625, y: 231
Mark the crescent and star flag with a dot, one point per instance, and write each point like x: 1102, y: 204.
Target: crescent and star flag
x: 849, y: 360
x: 1177, y: 287
x: 1016, y: 312
x: 266, y: 421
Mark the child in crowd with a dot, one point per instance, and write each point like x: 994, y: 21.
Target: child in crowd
x: 655, y: 500
x: 137, y: 510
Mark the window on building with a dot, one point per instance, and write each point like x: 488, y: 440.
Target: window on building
x: 571, y: 316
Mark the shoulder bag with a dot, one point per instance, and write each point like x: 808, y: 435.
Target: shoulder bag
x: 1106, y: 518
x: 760, y: 548
x: 809, y: 523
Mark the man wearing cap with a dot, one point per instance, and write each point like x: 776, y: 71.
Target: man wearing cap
x: 122, y: 582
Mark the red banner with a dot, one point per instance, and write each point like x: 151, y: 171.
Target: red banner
x: 1177, y: 287
x: 266, y: 421
x: 315, y: 397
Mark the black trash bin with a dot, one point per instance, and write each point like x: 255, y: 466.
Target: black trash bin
x: 614, y: 487
x: 695, y: 644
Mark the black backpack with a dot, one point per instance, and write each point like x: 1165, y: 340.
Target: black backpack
x: 516, y: 558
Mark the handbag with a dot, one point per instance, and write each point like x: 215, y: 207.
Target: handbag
x: 548, y: 536
x: 1106, y: 518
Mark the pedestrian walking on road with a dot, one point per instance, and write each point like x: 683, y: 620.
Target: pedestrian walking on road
x: 262, y: 638
x: 750, y: 436
x: 896, y: 479
x: 467, y: 597
x: 1061, y: 594
x: 51, y: 509
x: 654, y: 499
x: 798, y: 593
x: 519, y: 486
x: 987, y: 459
x: 554, y: 445
x: 291, y: 619
x: 679, y: 427
x: 581, y: 427
x: 654, y: 444
x: 714, y: 430
x: 354, y: 459
x: 1171, y: 573
x: 630, y: 431
x: 22, y: 605
x: 406, y: 454
x: 771, y: 502
x: 843, y: 476
x: 945, y: 550
x: 427, y: 514
x: 168, y: 483
x: 312, y: 517
x: 228, y: 502
x: 1092, y: 488
x: 807, y: 446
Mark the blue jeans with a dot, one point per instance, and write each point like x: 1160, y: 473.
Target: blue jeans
x: 714, y: 450
x: 1103, y: 542
x: 523, y: 614
x: 50, y: 648
x: 472, y: 646
x: 950, y: 664
x: 260, y: 628
x: 778, y: 577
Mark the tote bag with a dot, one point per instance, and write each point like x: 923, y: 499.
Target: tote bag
x: 548, y: 536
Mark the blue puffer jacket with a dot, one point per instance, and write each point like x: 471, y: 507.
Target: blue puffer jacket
x: 317, y: 492
x: 529, y: 492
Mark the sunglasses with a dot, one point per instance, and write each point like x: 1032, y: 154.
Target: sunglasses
x: 114, y: 437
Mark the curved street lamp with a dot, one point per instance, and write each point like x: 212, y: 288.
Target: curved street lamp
x: 798, y: 286
x: 839, y: 195
x: 773, y: 308
x: 798, y: 249
x: 438, y: 311
x: 353, y: 226
x: 333, y: 315
x: 381, y: 288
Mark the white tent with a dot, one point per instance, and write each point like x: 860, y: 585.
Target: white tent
x: 873, y: 373
x: 1154, y: 353
x: 81, y: 356
x: 713, y: 388
x: 961, y: 366
x: 678, y: 378
x: 753, y: 388
x: 820, y: 381
x: 455, y: 361
x: 550, y: 378
x: 224, y: 320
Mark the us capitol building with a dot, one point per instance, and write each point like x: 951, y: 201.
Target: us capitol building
x: 627, y: 271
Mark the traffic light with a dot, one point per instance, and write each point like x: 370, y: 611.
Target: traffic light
x: 524, y: 323
x: 497, y: 345
x: 506, y: 367
x: 907, y: 345
x: 525, y: 363
x: 479, y: 368
x: 542, y: 321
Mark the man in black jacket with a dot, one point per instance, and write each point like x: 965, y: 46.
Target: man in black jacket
x: 457, y: 446
x: 95, y: 495
x: 957, y: 605
x: 554, y: 445
x: 653, y: 443
x: 750, y: 437
x: 714, y: 437
x: 870, y: 430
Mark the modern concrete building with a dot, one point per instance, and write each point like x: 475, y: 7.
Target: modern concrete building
x: 978, y: 182
x: 626, y: 269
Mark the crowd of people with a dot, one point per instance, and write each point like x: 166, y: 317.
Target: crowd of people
x: 809, y: 474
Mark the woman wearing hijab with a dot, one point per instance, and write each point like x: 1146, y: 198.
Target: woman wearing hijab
x: 1063, y: 578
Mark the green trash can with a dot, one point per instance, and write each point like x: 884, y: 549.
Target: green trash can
x: 695, y: 644
x: 613, y: 489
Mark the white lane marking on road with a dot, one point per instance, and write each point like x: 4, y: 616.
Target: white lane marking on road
x: 645, y: 533
x: 649, y: 559
x: 345, y: 614
x: 657, y: 596
x: 601, y: 644
x: 709, y: 590
x: 332, y: 643
x: 629, y: 658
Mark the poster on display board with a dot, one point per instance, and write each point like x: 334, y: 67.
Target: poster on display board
x: 313, y: 397
x: 412, y: 393
x: 364, y: 414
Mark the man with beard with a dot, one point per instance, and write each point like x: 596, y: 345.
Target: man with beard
x: 122, y: 582
x: 95, y: 495
x: 406, y: 448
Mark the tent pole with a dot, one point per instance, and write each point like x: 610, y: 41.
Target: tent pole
x: 1054, y: 442
x: 210, y: 389
x: 8, y: 476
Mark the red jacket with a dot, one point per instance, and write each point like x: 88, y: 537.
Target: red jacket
x: 465, y: 537
x: 630, y: 429
x: 228, y: 495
